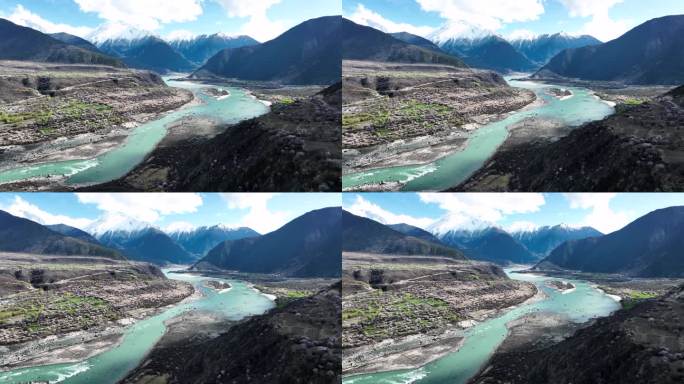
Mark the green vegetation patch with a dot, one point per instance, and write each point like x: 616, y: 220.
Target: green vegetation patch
x: 376, y: 119
x: 634, y: 297
x: 41, y: 117
x: 29, y: 311
x: 70, y: 303
x: 634, y: 102
x: 287, y: 100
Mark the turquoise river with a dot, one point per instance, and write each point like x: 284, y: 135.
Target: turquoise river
x: 579, y: 305
x: 238, y: 106
x: 455, y: 168
x: 111, y: 366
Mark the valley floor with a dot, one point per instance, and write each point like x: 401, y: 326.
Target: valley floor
x: 402, y: 312
x: 60, y: 112
x: 407, y: 114
x: 56, y: 309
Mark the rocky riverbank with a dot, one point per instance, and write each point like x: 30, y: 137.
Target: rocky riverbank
x: 402, y: 312
x: 295, y: 147
x: 54, y: 112
x: 637, y: 149
x: 642, y: 344
x: 47, y: 312
x: 297, y: 343
x: 399, y: 114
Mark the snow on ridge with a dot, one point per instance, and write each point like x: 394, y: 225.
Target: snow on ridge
x: 458, y: 31
x: 116, y: 31
x: 114, y: 223
x: 457, y: 223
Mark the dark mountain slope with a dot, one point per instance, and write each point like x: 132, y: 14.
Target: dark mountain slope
x: 360, y: 234
x: 21, y: 43
x: 309, y: 53
x: 491, y: 52
x: 416, y: 40
x: 543, y: 240
x: 149, y: 244
x: 308, y: 246
x: 149, y: 52
x: 365, y: 43
x: 75, y: 41
x: 543, y: 48
x: 648, y: 54
x: 642, y: 345
x: 201, y: 240
x: 420, y: 233
x: 202, y: 48
x: 651, y: 246
x: 73, y: 232
x: 21, y: 235
x: 489, y: 244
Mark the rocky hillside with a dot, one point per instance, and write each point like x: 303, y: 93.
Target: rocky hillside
x: 21, y: 43
x: 295, y: 147
x: 360, y: 234
x: 647, y: 54
x: 637, y: 149
x: 365, y: 43
x: 297, y: 343
x: 22, y: 235
x: 309, y: 53
x: 420, y: 233
x: 417, y: 40
x: 643, y: 344
x: 308, y: 246
x: 76, y: 41
x: 648, y: 247
x: 70, y: 231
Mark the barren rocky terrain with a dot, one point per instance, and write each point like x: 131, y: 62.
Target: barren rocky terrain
x: 42, y: 296
x: 41, y: 103
x: 404, y: 311
x: 413, y: 106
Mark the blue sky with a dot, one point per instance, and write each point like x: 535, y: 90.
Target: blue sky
x: 606, y: 212
x: 262, y: 212
x: 261, y: 19
x: 605, y: 19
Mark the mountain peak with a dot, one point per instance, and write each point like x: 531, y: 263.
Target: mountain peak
x: 459, y: 31
x: 450, y: 223
x: 113, y: 222
x: 116, y: 31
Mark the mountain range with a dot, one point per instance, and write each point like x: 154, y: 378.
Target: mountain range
x: 22, y: 235
x: 541, y: 241
x: 308, y: 246
x: 360, y: 234
x: 651, y: 53
x: 365, y: 43
x: 201, y: 48
x: 309, y: 53
x: 650, y: 246
x: 489, y: 244
x: 199, y: 241
x: 22, y: 43
x: 540, y: 49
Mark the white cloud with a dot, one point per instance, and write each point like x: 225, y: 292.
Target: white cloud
x: 259, y: 217
x: 179, y: 226
x: 26, y: 18
x: 601, y: 215
x: 601, y: 25
x: 491, y: 14
x: 23, y: 208
x: 363, y: 207
x: 147, y: 207
x: 259, y: 25
x: 147, y: 14
x: 367, y: 17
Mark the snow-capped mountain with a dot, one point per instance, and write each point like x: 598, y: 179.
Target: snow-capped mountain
x: 139, y: 49
x: 541, y: 241
x: 138, y: 240
x: 480, y: 48
x: 540, y: 49
x: 198, y: 49
x: 201, y: 240
x: 116, y: 32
